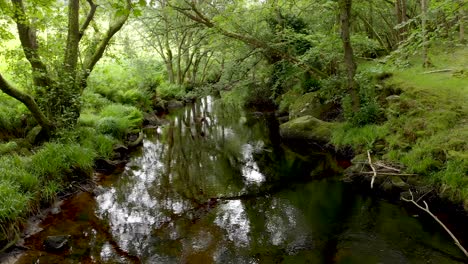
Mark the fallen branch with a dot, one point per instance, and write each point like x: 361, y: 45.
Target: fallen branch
x: 437, y: 71
x: 426, y: 209
x: 380, y: 164
x: 373, y: 170
x: 388, y: 173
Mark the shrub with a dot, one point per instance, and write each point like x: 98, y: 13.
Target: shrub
x: 168, y: 91
x: 13, y: 204
x: 129, y: 114
x: 8, y: 147
x: 57, y: 160
x: 136, y: 97
x: 91, y: 100
x: 13, y: 169
x: 116, y: 127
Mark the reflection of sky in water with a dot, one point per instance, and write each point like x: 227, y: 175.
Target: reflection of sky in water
x: 233, y: 219
x: 282, y: 224
x: 250, y: 170
x: 131, y: 210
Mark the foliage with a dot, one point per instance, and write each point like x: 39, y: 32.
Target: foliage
x: 359, y: 138
x: 427, y: 125
x: 56, y: 161
x: 169, y: 91
x: 12, y: 116
x: 130, y: 82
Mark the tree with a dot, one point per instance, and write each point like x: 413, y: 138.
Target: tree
x: 425, y: 42
x: 58, y: 87
x: 345, y: 16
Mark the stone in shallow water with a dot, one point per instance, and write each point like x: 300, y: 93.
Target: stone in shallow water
x: 56, y: 243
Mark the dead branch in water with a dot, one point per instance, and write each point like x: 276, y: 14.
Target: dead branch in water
x: 373, y: 170
x: 426, y: 209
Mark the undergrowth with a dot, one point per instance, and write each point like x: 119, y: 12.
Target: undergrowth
x: 426, y: 125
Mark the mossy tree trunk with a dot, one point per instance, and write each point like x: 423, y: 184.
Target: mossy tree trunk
x: 425, y: 42
x: 345, y: 17
x: 57, y: 101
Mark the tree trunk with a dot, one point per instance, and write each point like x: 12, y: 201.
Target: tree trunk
x: 345, y: 11
x: 29, y: 102
x: 461, y: 22
x: 29, y: 43
x: 91, y: 61
x: 425, y: 43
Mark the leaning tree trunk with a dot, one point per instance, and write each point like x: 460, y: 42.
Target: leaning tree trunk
x: 29, y: 102
x: 345, y: 11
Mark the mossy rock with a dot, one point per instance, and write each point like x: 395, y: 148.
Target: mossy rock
x: 307, y: 128
x: 310, y: 104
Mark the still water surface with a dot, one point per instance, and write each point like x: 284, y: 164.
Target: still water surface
x: 217, y: 186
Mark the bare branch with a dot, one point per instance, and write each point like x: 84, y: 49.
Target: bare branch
x: 426, y: 209
x: 373, y: 170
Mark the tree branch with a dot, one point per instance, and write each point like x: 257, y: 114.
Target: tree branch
x: 89, y: 18
x: 253, y: 42
x: 28, y: 101
x: 114, y: 27
x: 373, y: 170
x: 426, y: 209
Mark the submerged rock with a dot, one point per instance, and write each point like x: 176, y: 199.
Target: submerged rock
x: 108, y: 166
x: 56, y: 243
x: 151, y: 120
x: 307, y: 128
x: 174, y: 104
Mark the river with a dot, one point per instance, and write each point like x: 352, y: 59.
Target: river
x: 216, y: 185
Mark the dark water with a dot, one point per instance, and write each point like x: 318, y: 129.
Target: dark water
x: 216, y: 186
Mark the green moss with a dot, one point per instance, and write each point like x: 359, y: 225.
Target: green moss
x: 309, y: 104
x: 359, y: 138
x: 428, y: 124
x: 307, y: 127
x: 288, y: 99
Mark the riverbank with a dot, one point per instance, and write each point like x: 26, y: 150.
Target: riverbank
x: 418, y: 131
x: 227, y: 190
x: 35, y: 174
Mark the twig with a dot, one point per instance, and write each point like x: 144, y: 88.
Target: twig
x: 437, y: 71
x: 426, y: 209
x: 389, y: 173
x: 380, y: 164
x: 373, y: 169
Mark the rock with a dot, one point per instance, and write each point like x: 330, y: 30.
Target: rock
x: 107, y: 166
x: 398, y: 182
x: 159, y: 105
x: 174, y: 104
x: 150, y: 120
x: 307, y: 128
x: 310, y: 104
x: 283, y: 119
x: 393, y: 98
x: 119, y: 148
x: 137, y: 141
x: 57, y: 243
